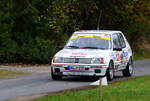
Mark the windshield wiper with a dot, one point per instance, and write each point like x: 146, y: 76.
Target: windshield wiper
x: 89, y: 47
x: 73, y: 46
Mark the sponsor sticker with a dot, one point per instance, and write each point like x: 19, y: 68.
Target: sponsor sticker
x: 79, y: 53
x: 90, y: 36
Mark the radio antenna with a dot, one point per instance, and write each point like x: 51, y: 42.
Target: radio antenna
x: 99, y: 19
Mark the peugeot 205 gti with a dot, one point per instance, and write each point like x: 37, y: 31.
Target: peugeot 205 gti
x: 93, y: 53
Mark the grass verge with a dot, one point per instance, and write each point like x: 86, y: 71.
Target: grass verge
x: 141, y: 56
x: 136, y: 89
x: 9, y: 74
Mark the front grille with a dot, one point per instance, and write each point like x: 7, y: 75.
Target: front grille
x: 85, y: 60
x: 69, y: 60
x: 77, y: 60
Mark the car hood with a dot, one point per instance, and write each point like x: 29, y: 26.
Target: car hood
x: 82, y: 53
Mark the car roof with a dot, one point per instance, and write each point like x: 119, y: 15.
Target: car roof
x: 97, y: 31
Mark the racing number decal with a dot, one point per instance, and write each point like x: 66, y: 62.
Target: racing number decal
x: 119, y: 57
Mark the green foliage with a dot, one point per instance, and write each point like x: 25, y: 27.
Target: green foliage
x: 140, y: 56
x: 31, y: 30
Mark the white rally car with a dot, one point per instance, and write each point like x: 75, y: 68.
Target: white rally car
x: 93, y: 53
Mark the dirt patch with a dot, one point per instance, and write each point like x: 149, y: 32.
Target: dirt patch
x: 22, y: 65
x: 26, y: 68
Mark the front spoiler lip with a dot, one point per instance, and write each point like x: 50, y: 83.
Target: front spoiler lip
x: 68, y: 64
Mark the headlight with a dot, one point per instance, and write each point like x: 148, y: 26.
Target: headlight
x: 58, y: 59
x: 97, y: 61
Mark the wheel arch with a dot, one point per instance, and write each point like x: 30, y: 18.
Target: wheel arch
x: 111, y: 61
x: 108, y: 73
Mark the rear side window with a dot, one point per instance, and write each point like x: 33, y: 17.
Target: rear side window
x: 122, y: 40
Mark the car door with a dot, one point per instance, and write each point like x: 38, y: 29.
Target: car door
x: 117, y: 51
x: 124, y: 50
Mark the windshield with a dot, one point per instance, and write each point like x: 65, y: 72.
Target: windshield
x: 89, y: 41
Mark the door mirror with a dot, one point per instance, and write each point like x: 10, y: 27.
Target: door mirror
x: 60, y: 47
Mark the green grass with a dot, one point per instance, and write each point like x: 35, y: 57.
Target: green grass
x: 9, y: 74
x: 137, y: 89
x: 141, y: 56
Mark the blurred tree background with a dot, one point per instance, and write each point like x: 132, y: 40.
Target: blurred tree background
x: 31, y: 30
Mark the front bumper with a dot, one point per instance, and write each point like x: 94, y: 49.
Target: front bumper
x: 79, y: 69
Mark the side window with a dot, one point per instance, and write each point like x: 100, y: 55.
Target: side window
x: 116, y: 41
x: 122, y: 40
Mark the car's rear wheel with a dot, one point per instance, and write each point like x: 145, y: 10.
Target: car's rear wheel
x: 129, y: 69
x: 110, y: 72
x: 55, y: 77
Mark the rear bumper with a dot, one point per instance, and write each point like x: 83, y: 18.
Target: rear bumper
x: 79, y: 69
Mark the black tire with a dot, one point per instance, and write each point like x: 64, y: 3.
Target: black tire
x: 55, y: 77
x: 110, y: 72
x: 129, y: 69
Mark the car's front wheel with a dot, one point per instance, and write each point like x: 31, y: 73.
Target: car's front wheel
x: 110, y: 72
x: 55, y: 77
x: 129, y: 69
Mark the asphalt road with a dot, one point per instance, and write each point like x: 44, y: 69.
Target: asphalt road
x: 43, y: 83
